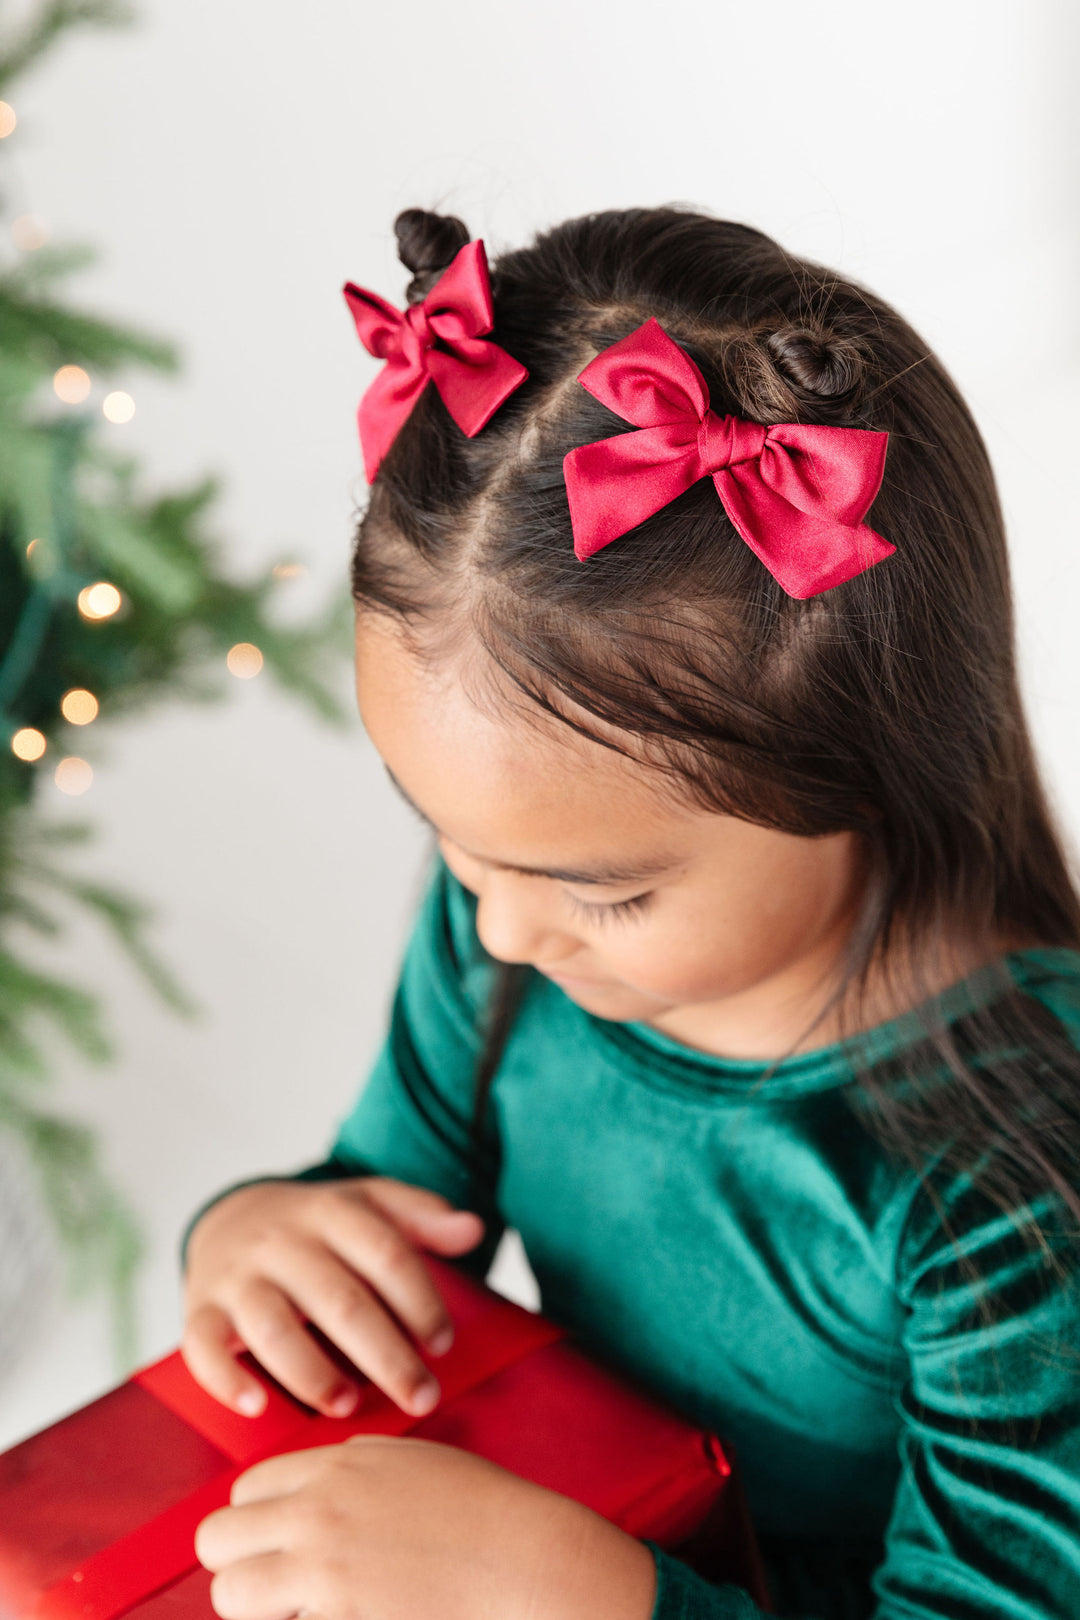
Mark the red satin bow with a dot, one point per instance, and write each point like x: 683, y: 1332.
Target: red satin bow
x: 473, y: 376
x: 797, y: 493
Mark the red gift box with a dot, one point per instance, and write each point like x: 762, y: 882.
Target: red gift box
x: 98, y: 1513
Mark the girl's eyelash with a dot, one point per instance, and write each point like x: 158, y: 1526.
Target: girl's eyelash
x: 596, y: 911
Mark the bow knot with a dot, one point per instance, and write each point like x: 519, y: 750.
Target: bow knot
x: 416, y: 332
x: 797, y: 493
x: 723, y: 441
x: 442, y: 340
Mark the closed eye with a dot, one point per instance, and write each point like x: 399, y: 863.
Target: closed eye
x: 596, y: 911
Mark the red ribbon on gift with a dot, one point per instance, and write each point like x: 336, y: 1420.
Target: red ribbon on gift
x: 162, y: 1551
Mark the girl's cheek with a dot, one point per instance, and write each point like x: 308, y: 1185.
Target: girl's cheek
x: 689, y: 961
x: 657, y: 966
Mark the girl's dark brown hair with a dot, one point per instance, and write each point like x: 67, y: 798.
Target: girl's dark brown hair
x: 888, y: 705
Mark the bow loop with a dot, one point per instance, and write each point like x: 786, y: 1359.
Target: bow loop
x: 377, y: 322
x: 441, y: 339
x: 460, y: 304
x: 648, y: 379
x: 807, y: 460
x: 796, y: 493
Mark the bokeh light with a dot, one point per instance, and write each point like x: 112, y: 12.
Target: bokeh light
x: 292, y: 570
x: 118, y: 406
x: 73, y: 775
x: 244, y: 660
x: 40, y: 559
x: 99, y: 601
x: 71, y: 384
x: 79, y: 706
x: 8, y: 119
x: 29, y: 232
x: 28, y: 744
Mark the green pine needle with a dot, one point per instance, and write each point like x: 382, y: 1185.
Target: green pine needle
x: 51, y: 21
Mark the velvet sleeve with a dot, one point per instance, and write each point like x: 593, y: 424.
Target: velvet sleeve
x: 985, y: 1523
x: 412, y: 1117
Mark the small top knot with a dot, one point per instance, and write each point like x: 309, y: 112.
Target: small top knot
x: 824, y: 370
x: 799, y: 372
x: 426, y: 245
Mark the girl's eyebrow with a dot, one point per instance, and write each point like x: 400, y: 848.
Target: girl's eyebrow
x: 598, y: 872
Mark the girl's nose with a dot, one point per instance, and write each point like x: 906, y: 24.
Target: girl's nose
x: 510, y: 919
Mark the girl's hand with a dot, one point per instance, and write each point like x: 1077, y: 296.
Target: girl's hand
x: 268, y: 1259
x: 403, y: 1529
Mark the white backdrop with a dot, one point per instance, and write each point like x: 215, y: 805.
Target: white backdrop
x: 236, y: 163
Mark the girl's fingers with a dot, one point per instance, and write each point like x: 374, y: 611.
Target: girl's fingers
x: 338, y: 1302
x: 209, y: 1350
x: 425, y: 1217
x: 265, y: 1525
x: 277, y: 1477
x: 379, y: 1251
x: 269, y: 1586
x: 317, y: 1269
x: 275, y: 1332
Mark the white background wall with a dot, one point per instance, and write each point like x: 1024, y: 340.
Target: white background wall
x: 236, y: 163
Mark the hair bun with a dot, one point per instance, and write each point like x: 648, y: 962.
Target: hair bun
x: 825, y: 371
x: 426, y: 245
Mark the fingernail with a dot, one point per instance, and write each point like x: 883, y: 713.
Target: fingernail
x: 344, y: 1402
x: 251, y: 1402
x: 424, y: 1398
x: 440, y: 1342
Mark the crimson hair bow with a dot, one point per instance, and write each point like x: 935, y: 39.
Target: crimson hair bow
x: 473, y: 376
x: 797, y: 493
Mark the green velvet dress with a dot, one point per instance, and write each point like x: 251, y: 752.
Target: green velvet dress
x: 742, y: 1243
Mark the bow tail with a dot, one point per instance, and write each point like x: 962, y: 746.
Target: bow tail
x: 384, y: 408
x: 474, y: 380
x: 806, y: 552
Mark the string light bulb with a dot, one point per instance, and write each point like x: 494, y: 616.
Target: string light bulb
x: 73, y: 775
x: 40, y: 559
x: 28, y: 744
x: 8, y: 119
x: 79, y: 706
x: 118, y: 407
x: 99, y: 601
x: 71, y: 384
x: 244, y: 660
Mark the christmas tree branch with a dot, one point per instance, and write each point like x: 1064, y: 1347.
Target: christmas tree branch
x: 53, y: 19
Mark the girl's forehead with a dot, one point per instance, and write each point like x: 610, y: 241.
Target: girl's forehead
x: 503, y: 779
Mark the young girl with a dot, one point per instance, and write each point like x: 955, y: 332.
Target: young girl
x: 747, y: 984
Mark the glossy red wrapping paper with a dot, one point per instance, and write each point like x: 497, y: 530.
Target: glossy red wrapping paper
x: 98, y: 1513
